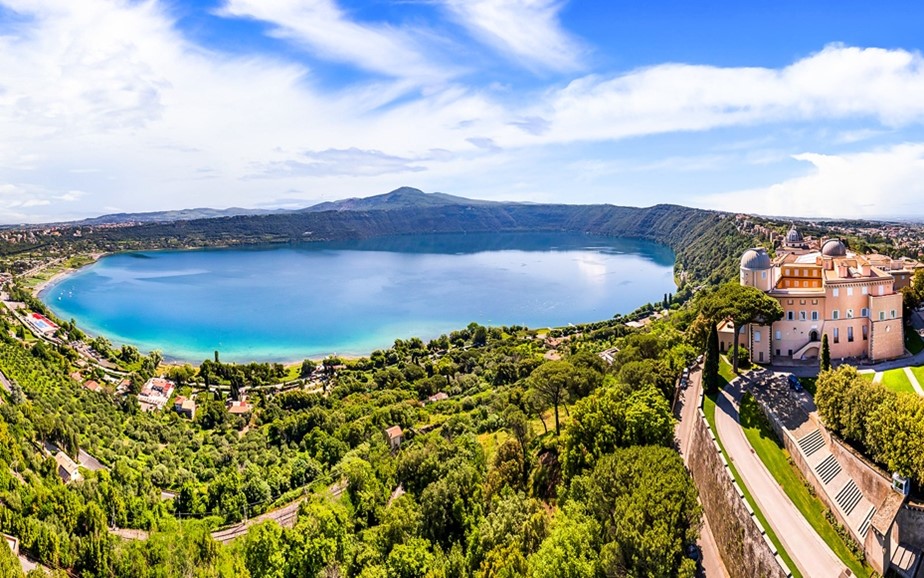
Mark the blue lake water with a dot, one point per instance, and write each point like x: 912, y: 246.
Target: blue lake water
x: 288, y: 303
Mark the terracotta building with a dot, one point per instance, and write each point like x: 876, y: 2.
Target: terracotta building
x: 826, y: 290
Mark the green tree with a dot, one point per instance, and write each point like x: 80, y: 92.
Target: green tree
x: 553, y: 383
x: 307, y: 368
x: 318, y: 539
x: 743, y: 305
x: 9, y: 563
x: 647, y: 509
x: 571, y: 549
x: 615, y: 416
x: 264, y: 554
x: 711, y: 361
x: 825, y: 362
x: 412, y: 559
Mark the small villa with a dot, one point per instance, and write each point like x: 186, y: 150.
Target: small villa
x: 67, y: 468
x: 395, y: 436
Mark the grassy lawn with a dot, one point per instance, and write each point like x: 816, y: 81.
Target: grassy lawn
x: 868, y: 376
x: 764, y: 441
x: 709, y: 407
x: 726, y: 371
x: 918, y: 373
x: 913, y: 341
x: 896, y: 380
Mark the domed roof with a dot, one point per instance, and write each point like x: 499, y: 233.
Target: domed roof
x: 834, y: 248
x: 756, y: 258
x: 793, y: 236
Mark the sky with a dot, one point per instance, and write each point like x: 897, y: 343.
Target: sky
x: 791, y: 108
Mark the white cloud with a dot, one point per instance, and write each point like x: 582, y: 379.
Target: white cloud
x: 108, y: 97
x: 325, y: 29
x: 527, y: 30
x: 884, y: 182
x: 838, y: 82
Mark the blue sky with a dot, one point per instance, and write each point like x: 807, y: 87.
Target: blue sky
x: 785, y: 108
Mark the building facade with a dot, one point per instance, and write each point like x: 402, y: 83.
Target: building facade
x: 823, y: 290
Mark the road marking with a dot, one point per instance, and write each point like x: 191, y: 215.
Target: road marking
x: 914, y: 381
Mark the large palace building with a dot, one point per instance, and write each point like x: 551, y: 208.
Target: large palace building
x: 824, y: 289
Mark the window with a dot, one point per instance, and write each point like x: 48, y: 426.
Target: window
x: 892, y: 313
x: 882, y: 289
x: 763, y: 274
x: 789, y: 301
x: 835, y: 314
x: 837, y: 335
x: 865, y: 290
x: 779, y: 335
x: 805, y: 283
x: 786, y: 283
x: 757, y: 337
x: 789, y: 316
x: 864, y: 312
x: 850, y: 334
x: 802, y: 302
x: 849, y: 291
x: 865, y: 333
x: 814, y: 301
x: 814, y: 316
x: 802, y: 316
x: 850, y: 314
x: 882, y: 316
x: 835, y: 291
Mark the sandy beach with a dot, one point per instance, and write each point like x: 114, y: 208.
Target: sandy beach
x: 62, y: 274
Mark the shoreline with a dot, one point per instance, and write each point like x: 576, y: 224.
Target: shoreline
x: 61, y: 275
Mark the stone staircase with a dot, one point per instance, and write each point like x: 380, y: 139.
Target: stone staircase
x: 812, y: 443
x: 802, y: 350
x: 840, y: 488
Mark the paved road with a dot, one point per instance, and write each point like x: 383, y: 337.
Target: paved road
x: 712, y: 567
x: 810, y: 553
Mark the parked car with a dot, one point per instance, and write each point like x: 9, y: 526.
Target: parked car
x: 794, y: 383
x: 693, y: 553
x: 699, y: 359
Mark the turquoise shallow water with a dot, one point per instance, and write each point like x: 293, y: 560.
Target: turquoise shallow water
x: 287, y: 303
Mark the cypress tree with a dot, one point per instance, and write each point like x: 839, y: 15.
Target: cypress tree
x: 711, y: 362
x: 825, y: 353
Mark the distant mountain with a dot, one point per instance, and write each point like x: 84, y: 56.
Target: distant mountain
x: 403, y: 198
x: 176, y: 215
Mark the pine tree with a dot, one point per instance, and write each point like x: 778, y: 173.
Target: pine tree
x: 825, y: 353
x: 711, y: 362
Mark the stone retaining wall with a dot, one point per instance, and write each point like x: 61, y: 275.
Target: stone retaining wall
x: 874, y: 548
x: 741, y: 539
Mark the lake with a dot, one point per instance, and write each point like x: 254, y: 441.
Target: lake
x: 288, y: 303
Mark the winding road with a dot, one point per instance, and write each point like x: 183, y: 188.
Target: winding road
x: 813, y: 557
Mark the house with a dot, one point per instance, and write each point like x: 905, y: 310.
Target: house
x: 155, y: 393
x: 825, y: 291
x: 185, y: 407
x: 239, y: 407
x: 440, y: 396
x: 67, y: 468
x: 395, y: 437
x: 93, y: 386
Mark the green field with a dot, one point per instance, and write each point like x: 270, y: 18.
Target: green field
x: 771, y: 452
x: 896, y: 380
x: 868, y: 376
x: 918, y: 373
x: 709, y: 407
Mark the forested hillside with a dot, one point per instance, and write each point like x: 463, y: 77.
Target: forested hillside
x: 706, y: 243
